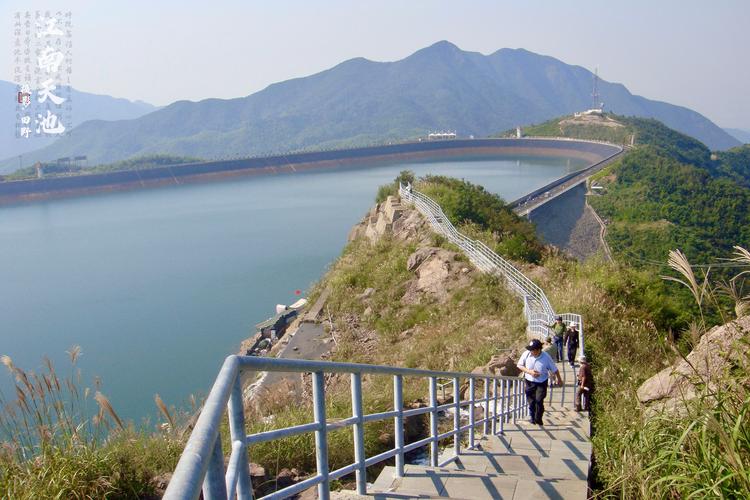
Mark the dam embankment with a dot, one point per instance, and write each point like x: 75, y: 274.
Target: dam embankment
x: 77, y: 185
x: 568, y: 223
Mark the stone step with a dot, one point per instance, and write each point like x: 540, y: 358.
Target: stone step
x: 430, y: 482
x: 538, y: 446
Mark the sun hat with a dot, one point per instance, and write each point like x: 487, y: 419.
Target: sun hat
x: 581, y: 358
x: 533, y: 345
x: 573, y: 324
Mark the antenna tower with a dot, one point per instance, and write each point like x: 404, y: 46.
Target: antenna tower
x: 595, y: 102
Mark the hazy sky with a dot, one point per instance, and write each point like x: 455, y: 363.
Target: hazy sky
x: 691, y: 53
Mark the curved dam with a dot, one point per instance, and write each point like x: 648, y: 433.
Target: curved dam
x: 54, y: 187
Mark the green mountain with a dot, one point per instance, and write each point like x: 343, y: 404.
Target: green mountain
x: 360, y: 101
x: 86, y: 106
x: 667, y: 192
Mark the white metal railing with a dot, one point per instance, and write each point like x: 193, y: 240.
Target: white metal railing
x: 201, y: 466
x: 536, y: 306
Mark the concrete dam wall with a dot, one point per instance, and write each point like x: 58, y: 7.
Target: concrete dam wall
x: 567, y: 223
x: 75, y: 185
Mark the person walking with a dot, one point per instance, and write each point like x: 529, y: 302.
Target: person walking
x: 585, y: 386
x: 537, y: 367
x: 571, y: 343
x: 558, y: 330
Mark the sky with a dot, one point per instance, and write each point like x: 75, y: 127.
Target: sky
x: 690, y: 53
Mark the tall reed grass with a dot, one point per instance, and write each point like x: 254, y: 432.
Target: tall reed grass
x: 62, y: 439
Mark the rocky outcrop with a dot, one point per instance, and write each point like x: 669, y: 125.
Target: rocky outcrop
x: 499, y: 365
x: 718, y: 350
x: 388, y: 217
x: 438, y: 272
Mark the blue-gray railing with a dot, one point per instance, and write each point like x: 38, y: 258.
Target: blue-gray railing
x: 201, y: 466
x: 536, y: 306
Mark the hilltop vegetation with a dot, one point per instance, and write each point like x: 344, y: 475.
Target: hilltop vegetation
x: 63, y: 169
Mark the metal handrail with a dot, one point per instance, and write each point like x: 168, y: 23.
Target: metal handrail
x: 201, y: 466
x: 537, y: 308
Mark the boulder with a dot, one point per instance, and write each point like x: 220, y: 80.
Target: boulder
x: 498, y: 365
x: 415, y: 259
x: 716, y: 352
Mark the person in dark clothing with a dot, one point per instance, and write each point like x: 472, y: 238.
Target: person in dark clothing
x: 585, y: 386
x: 571, y: 340
x: 537, y: 366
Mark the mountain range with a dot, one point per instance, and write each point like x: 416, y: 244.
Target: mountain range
x: 86, y: 106
x: 741, y: 135
x: 359, y: 101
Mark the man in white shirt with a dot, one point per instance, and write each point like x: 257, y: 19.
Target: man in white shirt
x: 537, y: 366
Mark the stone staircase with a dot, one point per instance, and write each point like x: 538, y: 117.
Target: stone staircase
x: 526, y: 461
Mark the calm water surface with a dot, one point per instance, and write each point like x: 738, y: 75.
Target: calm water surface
x: 159, y: 286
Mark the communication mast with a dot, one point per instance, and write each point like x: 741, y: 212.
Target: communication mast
x: 595, y: 102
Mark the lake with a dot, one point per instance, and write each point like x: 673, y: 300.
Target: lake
x: 158, y: 286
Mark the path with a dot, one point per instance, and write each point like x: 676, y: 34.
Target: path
x: 309, y: 341
x: 525, y: 462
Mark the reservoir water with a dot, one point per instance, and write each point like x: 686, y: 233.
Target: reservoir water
x: 158, y: 286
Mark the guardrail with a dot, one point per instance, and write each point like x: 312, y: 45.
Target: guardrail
x: 201, y: 466
x: 536, y: 306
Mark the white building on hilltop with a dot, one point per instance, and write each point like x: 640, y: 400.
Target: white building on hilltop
x: 437, y: 136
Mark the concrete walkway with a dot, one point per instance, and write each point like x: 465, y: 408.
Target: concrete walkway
x: 526, y: 461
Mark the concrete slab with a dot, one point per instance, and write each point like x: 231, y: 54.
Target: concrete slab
x: 565, y: 489
x: 497, y: 463
x: 569, y: 468
x: 479, y: 487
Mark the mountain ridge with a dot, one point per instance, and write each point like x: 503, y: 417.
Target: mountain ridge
x: 86, y: 106
x: 359, y: 101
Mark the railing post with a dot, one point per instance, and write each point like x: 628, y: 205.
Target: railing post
x: 238, y: 434
x: 321, y: 434
x: 214, y: 487
x: 486, y: 428
x: 398, y: 422
x: 433, y: 423
x: 494, y: 406
x: 359, y: 434
x: 514, y: 392
x: 503, y: 393
x: 472, y: 419
x: 508, y: 386
x: 456, y: 417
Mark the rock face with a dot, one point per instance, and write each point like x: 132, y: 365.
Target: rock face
x: 437, y: 271
x: 719, y: 349
x: 388, y: 217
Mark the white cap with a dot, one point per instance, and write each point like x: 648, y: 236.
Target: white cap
x: 573, y: 324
